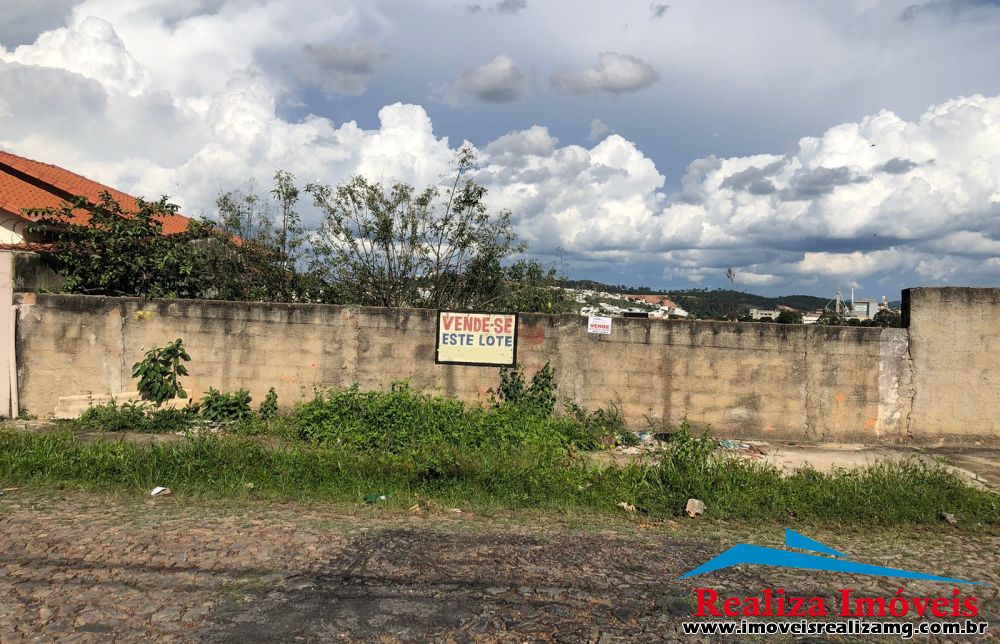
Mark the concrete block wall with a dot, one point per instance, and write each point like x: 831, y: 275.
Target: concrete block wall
x: 796, y: 382
x: 954, y: 344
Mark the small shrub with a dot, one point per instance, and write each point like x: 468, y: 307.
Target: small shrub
x: 218, y: 407
x: 628, y: 439
x: 687, y: 451
x: 158, y: 373
x: 132, y: 417
x: 269, y: 406
x: 404, y: 420
x: 112, y: 417
x: 169, y: 420
x: 539, y: 396
x: 606, y: 425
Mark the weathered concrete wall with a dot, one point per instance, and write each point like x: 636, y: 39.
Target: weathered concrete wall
x: 779, y: 381
x: 955, y: 349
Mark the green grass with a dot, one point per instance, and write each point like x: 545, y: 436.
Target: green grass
x: 513, y: 455
x: 518, y: 477
x: 132, y: 417
x: 406, y: 421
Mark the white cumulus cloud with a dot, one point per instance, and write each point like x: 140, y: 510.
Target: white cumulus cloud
x: 187, y: 103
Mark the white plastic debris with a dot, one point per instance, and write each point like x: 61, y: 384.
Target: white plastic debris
x: 695, y: 507
x: 160, y: 491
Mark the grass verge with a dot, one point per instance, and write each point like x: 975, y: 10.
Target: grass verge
x: 514, y: 477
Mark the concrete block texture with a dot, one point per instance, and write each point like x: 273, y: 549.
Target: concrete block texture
x: 934, y: 381
x: 956, y: 371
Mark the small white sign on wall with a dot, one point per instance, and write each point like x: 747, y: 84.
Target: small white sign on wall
x: 601, y: 325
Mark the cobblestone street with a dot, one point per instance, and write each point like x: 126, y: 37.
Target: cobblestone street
x: 84, y: 567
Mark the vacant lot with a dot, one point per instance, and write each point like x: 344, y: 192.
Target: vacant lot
x: 135, y: 567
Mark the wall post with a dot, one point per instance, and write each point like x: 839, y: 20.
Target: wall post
x: 8, y: 363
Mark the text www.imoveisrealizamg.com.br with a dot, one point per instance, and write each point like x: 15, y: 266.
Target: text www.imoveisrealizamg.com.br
x: 905, y: 630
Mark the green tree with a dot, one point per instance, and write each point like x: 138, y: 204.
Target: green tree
x: 529, y: 287
x: 831, y: 318
x: 789, y: 317
x: 291, y: 236
x: 251, y: 256
x: 887, y: 318
x: 114, y: 251
x: 399, y: 246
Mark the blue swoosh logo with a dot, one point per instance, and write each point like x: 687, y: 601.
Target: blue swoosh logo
x: 763, y: 556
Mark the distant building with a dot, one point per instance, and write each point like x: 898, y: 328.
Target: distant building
x: 655, y: 300
x: 811, y: 318
x: 666, y: 312
x: 864, y: 309
x: 665, y: 306
x: 758, y: 314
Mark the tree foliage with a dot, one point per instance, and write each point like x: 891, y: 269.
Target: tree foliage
x: 114, y: 251
x: 528, y: 286
x: 887, y: 318
x: 395, y: 246
x: 258, y: 248
x: 789, y: 317
x: 884, y: 318
x: 398, y: 246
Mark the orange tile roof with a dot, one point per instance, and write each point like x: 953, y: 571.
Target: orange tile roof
x: 24, y: 246
x: 32, y: 184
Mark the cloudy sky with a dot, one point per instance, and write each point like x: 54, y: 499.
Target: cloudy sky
x: 809, y: 145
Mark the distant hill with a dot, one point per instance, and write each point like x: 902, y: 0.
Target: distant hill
x: 702, y: 302
x: 591, y: 285
x: 705, y: 303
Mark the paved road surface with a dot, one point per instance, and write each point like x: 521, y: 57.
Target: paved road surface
x: 85, y: 567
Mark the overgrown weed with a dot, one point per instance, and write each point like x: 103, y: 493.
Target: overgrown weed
x: 526, y: 476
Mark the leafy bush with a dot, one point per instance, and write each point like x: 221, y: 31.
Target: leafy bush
x: 132, y: 417
x: 158, y: 373
x: 269, y: 406
x: 113, y: 418
x: 690, y: 449
x: 218, y: 407
x: 539, y: 396
x: 606, y: 424
x: 118, y: 251
x: 403, y: 419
